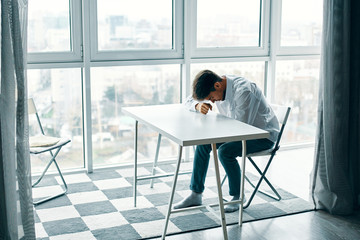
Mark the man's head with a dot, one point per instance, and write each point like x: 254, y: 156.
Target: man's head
x: 208, y: 85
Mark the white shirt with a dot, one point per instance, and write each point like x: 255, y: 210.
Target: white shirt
x: 245, y: 102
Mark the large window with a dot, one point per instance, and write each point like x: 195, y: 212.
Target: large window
x: 117, y: 87
x: 123, y: 25
x: 297, y: 85
x: 54, y: 31
x: 223, y: 31
x: 301, y: 23
x: 219, y: 25
x: 88, y: 59
x: 136, y: 29
x: 57, y: 96
x: 49, y: 26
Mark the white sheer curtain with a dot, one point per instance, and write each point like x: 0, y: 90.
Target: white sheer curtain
x: 16, y: 213
x: 336, y: 172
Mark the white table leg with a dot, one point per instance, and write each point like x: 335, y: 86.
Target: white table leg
x: 172, y: 192
x: 243, y: 160
x: 155, y: 160
x: 135, y: 161
x: 218, y: 184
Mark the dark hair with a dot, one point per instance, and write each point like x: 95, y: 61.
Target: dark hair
x: 204, y: 84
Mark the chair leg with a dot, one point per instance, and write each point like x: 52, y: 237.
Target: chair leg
x: 256, y: 188
x: 53, y: 160
x: 278, y: 198
x: 222, y: 182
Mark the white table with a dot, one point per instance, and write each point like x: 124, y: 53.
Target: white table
x: 187, y: 128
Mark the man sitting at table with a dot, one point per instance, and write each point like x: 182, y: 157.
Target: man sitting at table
x: 237, y: 98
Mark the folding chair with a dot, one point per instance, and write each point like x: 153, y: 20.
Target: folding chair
x: 282, y: 114
x: 40, y: 144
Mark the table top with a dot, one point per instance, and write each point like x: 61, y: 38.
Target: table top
x: 188, y: 128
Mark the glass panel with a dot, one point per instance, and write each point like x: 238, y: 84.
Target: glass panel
x: 219, y: 25
x: 57, y: 96
x: 297, y: 86
x: 113, y: 132
x: 301, y: 23
x: 253, y: 71
x: 49, y: 26
x: 134, y: 24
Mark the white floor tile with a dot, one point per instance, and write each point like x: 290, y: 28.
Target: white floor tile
x: 154, y: 228
x: 104, y: 220
x: 41, y: 192
x: 87, y: 197
x: 78, y: 236
x: 74, y: 178
x: 128, y: 203
x: 158, y: 188
x: 129, y: 172
x: 57, y: 213
x: 208, y: 193
x: 112, y: 183
x: 40, y: 231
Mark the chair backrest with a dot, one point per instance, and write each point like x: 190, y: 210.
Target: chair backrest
x: 282, y: 114
x: 32, y: 110
x: 31, y: 106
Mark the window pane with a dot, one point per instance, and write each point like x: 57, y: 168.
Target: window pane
x: 57, y: 96
x: 301, y: 23
x: 115, y: 87
x: 49, y: 26
x: 253, y: 71
x: 297, y: 86
x: 134, y: 24
x: 219, y: 25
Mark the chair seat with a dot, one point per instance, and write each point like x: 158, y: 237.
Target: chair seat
x: 61, y: 142
x: 43, y: 141
x: 261, y: 153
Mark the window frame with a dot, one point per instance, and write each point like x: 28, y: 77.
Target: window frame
x: 85, y: 54
x: 111, y: 55
x: 79, y: 66
x: 262, y: 50
x: 75, y: 54
x: 292, y: 50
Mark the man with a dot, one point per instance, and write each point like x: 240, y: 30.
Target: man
x: 237, y: 98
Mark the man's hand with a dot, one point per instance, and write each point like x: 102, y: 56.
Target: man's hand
x: 203, y: 107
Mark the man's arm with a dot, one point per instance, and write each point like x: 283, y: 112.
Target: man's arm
x: 203, y: 107
x: 245, y: 106
x: 190, y: 103
x: 196, y: 106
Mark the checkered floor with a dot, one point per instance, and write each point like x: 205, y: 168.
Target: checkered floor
x: 100, y: 206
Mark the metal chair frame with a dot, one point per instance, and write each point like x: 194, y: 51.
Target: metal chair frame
x: 282, y: 114
x: 39, y: 150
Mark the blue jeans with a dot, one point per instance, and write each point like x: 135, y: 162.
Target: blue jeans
x: 227, y: 153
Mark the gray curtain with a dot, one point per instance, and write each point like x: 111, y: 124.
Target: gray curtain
x: 16, y: 213
x: 336, y: 172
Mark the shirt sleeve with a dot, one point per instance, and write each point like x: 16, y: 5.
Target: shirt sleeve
x: 190, y: 103
x: 242, y: 106
x: 251, y: 107
x: 246, y: 107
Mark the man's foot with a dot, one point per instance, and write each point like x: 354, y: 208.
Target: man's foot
x: 233, y: 207
x: 194, y: 199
